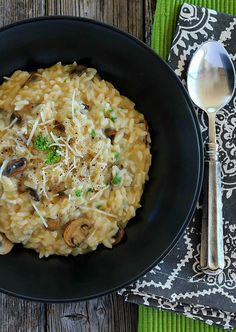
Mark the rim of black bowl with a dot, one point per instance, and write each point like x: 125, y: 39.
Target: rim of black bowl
x: 200, y: 153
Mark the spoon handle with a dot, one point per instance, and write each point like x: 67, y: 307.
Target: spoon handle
x: 212, y: 253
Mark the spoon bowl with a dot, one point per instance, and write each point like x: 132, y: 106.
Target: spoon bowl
x: 210, y: 78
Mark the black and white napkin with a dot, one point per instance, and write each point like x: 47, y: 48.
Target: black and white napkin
x: 177, y: 283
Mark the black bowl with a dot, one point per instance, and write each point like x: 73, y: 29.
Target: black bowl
x: 172, y: 191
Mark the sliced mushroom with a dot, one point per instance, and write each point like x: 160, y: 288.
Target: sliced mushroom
x: 16, y: 116
x: 33, y: 193
x: 77, y: 231
x: 53, y: 224
x: 5, y: 245
x: 22, y: 188
x: 61, y: 193
x: 59, y: 126
x: 78, y: 70
x: 110, y: 133
x: 119, y: 236
x: 15, y: 166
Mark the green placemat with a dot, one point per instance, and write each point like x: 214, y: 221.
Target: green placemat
x: 166, y: 17
x: 153, y: 320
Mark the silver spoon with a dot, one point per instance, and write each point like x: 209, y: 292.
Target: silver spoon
x: 211, y: 82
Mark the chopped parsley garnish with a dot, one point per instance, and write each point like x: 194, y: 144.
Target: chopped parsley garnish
x: 110, y: 110
x: 90, y: 190
x: 93, y: 133
x: 52, y: 156
x: 113, y: 118
x: 78, y: 192
x: 41, y: 142
x: 99, y: 206
x: 116, y: 179
x: 116, y: 155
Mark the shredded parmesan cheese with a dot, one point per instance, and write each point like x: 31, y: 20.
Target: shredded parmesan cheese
x: 51, y: 166
x: 10, y: 125
x: 55, y: 139
x: 33, y: 131
x: 44, y: 184
x: 66, y: 156
x: 82, y: 108
x: 79, y: 154
x: 39, y: 214
x: 56, y: 144
x: 42, y: 116
x: 72, y: 167
x: 97, y: 210
x: 4, y: 164
x: 46, y: 122
x: 97, y: 155
x: 68, y: 146
x: 58, y: 166
x: 60, y: 153
x: 99, y: 192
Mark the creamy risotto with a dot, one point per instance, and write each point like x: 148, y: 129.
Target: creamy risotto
x: 74, y: 157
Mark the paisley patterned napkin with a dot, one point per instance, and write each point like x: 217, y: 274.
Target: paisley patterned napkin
x: 177, y: 283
